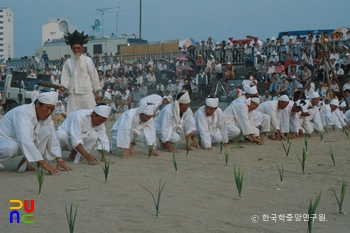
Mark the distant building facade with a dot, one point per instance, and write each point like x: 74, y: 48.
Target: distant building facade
x: 6, y: 33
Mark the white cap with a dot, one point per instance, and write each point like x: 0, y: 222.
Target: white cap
x: 251, y: 90
x: 228, y: 63
x: 147, y: 109
x: 314, y: 95
x: 52, y: 89
x: 291, y: 37
x: 212, y: 102
x: 283, y: 98
x: 274, y: 53
x: 334, y: 102
x: 258, y: 53
x: 102, y: 110
x: 184, y: 99
x: 342, y: 105
x: 272, y: 38
x: 48, y: 98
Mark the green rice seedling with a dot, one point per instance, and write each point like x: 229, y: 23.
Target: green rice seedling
x: 345, y: 131
x: 280, y: 169
x: 306, y: 142
x: 105, y: 168
x: 302, y: 161
x: 157, y: 203
x: 237, y: 146
x: 288, y: 139
x: 71, y: 216
x: 175, y: 163
x: 221, y: 146
x: 150, y: 149
x: 227, y: 153
x: 40, y: 174
x: 312, y: 210
x: 332, y: 155
x: 342, y: 195
x: 286, y: 149
x: 322, y: 136
x: 239, y: 180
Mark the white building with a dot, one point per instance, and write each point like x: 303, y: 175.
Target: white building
x: 6, y: 33
x: 55, y: 29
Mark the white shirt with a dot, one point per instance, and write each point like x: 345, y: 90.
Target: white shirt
x: 78, y: 125
x: 22, y: 125
x: 128, y: 125
x: 271, y: 108
x: 209, y: 125
x: 84, y: 83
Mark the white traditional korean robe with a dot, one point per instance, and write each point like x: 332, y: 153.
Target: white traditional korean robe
x: 77, y: 129
x: 81, y: 81
x: 169, y: 125
x: 22, y: 134
x: 238, y: 115
x: 271, y: 108
x: 129, y: 128
x: 210, y: 128
x: 290, y: 120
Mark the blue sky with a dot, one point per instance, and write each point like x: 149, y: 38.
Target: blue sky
x: 177, y: 19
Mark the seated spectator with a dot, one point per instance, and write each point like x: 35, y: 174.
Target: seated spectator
x: 274, y: 58
x: 276, y: 82
x: 151, y: 79
x: 232, y: 93
x: 306, y: 74
x: 335, y: 89
x: 321, y: 91
x: 347, y: 84
x: 280, y: 68
x: 284, y: 87
x: 266, y: 96
x: 271, y: 70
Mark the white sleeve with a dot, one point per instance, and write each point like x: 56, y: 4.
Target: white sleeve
x: 203, y: 129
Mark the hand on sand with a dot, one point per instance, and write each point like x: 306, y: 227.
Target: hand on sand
x: 126, y: 154
x: 155, y: 152
x: 62, y: 165
x: 91, y: 160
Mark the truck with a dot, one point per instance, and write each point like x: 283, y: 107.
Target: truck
x: 16, y: 89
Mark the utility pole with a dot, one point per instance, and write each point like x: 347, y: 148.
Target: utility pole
x: 102, y: 11
x: 116, y: 25
x: 140, y: 20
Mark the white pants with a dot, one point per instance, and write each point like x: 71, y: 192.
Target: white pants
x: 188, y: 126
x: 262, y: 121
x: 80, y: 101
x: 9, y: 148
x: 232, y: 131
x: 139, y: 140
x: 88, y: 142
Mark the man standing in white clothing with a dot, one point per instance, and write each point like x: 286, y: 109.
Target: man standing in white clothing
x: 79, y: 76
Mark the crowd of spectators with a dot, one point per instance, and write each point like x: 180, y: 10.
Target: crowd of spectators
x: 281, y: 67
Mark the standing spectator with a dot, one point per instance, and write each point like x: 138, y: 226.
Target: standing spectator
x: 199, y: 63
x: 96, y: 59
x: 45, y: 57
x: 202, y: 82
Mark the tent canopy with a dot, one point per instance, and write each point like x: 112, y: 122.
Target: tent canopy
x: 344, y: 30
x: 189, y: 41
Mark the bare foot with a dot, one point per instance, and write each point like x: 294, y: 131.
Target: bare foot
x: 29, y: 167
x: 162, y: 145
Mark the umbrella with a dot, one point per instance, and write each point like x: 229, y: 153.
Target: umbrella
x: 187, y: 68
x: 191, y: 59
x: 182, y: 58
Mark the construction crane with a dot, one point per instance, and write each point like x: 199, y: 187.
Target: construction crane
x: 102, y: 11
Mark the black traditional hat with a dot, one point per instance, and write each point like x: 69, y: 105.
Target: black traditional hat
x: 76, y: 38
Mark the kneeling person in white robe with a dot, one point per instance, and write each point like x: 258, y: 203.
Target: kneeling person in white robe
x: 81, y: 130
x: 135, y: 127
x: 174, y: 119
x: 211, y: 124
x: 273, y: 109
x: 241, y: 116
x: 28, y: 130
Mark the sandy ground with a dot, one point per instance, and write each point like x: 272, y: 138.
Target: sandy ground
x: 201, y: 198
